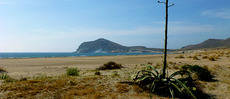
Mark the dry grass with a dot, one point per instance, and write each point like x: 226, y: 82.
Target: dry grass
x: 67, y: 87
x: 158, y: 65
x: 172, y: 65
x: 122, y: 88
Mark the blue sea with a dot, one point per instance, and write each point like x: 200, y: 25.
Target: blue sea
x: 46, y: 55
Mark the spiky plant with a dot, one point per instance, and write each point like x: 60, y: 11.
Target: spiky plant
x: 179, y: 84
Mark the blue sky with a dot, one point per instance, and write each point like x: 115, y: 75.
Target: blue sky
x: 62, y: 25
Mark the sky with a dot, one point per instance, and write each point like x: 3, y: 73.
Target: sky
x: 62, y: 25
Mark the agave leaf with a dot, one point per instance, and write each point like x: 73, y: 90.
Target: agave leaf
x: 186, y: 88
x: 144, y: 77
x: 177, y: 87
x: 152, y: 88
x: 153, y: 68
x: 148, y: 73
x: 171, y: 92
x: 137, y: 75
x: 182, y: 72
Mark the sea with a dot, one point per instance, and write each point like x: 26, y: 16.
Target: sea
x: 63, y: 54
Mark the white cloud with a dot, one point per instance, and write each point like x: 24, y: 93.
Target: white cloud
x: 219, y: 13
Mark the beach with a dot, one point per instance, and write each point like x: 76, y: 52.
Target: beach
x: 25, y: 67
x: 53, y: 67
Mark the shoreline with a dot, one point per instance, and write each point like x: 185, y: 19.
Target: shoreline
x: 82, y: 55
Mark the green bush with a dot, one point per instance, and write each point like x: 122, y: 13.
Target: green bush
x: 72, y: 72
x: 110, y: 65
x: 203, y: 74
x: 4, y: 76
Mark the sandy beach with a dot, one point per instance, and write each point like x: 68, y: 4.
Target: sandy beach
x: 32, y: 67
x: 56, y: 66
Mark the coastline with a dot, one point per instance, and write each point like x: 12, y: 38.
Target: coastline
x: 26, y: 55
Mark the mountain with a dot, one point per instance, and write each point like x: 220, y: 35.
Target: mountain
x: 210, y: 43
x: 106, y: 46
x: 101, y: 45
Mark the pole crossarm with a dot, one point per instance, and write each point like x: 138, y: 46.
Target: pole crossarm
x: 161, y: 2
x: 165, y: 3
x: 171, y: 5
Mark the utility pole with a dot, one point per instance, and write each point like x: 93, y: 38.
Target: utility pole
x: 166, y: 36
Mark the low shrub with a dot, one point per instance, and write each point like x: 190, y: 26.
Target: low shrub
x: 110, y: 65
x: 180, y: 56
x: 203, y: 74
x: 205, y: 57
x: 150, y: 63
x: 2, y: 70
x: 97, y: 73
x: 195, y: 58
x: 211, y: 59
x: 72, y: 72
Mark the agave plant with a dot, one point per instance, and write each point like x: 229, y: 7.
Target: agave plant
x: 178, y: 84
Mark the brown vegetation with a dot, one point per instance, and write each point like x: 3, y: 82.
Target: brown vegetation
x: 110, y: 65
x: 195, y: 58
x: 180, y: 56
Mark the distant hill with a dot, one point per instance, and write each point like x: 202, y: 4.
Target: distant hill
x: 210, y: 43
x: 101, y: 45
x: 106, y: 46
